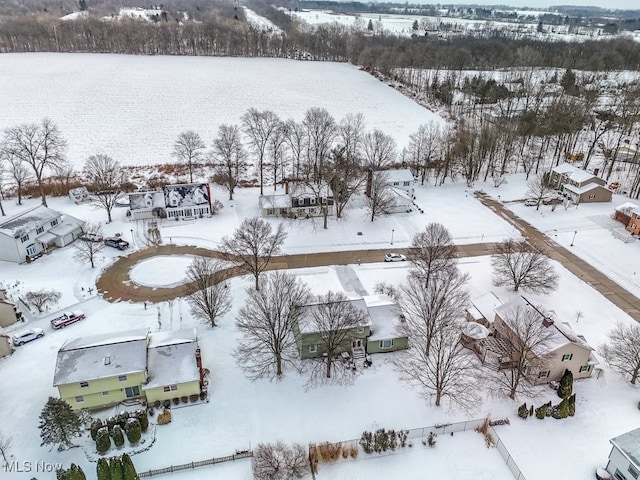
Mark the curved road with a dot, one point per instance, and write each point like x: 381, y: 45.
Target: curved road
x: 115, y: 284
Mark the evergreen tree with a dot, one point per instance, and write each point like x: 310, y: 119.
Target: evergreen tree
x: 568, y: 82
x: 115, y: 468
x: 117, y: 436
x: 133, y: 430
x: 128, y: 468
x: 102, y: 469
x: 541, y: 411
x: 571, y: 408
x: 141, y: 415
x: 72, y: 473
x: 58, y: 423
x: 95, y: 426
x: 370, y: 26
x: 83, y: 5
x: 103, y: 440
x: 566, y: 384
x: 540, y: 28
x: 415, y: 26
x: 523, y: 410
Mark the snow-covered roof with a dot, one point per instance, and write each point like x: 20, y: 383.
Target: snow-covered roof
x: 475, y: 330
x: 385, y: 316
x: 172, y: 358
x: 484, y: 307
x: 629, y: 445
x: 574, y: 174
x: 303, y: 190
x: 627, y: 208
x: 399, y: 175
x: 306, y: 324
x: 563, y: 168
x: 186, y: 195
x: 402, y: 197
x: 560, y: 334
x: 101, y: 356
x: 584, y: 189
x: 275, y: 201
x: 27, y: 221
x: 146, y: 200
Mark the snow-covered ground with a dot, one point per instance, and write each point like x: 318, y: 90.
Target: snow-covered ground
x: 134, y: 107
x: 240, y: 413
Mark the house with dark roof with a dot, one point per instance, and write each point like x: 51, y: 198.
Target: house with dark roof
x: 188, y: 200
x: 299, y: 200
x: 624, y: 458
x: 35, y: 231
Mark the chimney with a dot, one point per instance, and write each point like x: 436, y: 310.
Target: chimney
x: 547, y: 321
x: 199, y: 365
x: 286, y: 187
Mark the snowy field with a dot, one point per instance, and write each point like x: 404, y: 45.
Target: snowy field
x: 241, y: 414
x: 134, y: 107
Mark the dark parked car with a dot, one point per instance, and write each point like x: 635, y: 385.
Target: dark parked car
x: 116, y: 242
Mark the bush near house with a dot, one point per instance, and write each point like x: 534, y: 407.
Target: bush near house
x: 133, y: 430
x: 103, y: 440
x: 117, y: 436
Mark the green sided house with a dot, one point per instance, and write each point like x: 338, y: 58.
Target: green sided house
x: 105, y: 369
x: 378, y: 333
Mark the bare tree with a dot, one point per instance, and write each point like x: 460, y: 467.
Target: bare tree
x: 622, y: 350
x: 189, y: 149
x: 430, y: 308
x: 350, y: 133
x: 276, y: 148
x: 526, y: 339
x: 432, y: 252
x: 206, y: 291
x: 89, y: 244
x: 379, y: 150
x: 519, y: 265
x: 423, y: 147
x: 537, y: 189
x: 19, y: 171
x: 105, y: 178
x: 259, y: 126
x: 231, y: 157
x: 40, y: 146
x: 381, y: 198
x: 296, y: 137
x: 335, y: 320
x: 253, y: 244
x: 42, y: 299
x: 5, y: 446
x: 345, y: 177
x: 449, y: 371
x: 321, y: 131
x: 2, y: 179
x: 279, y: 461
x: 266, y: 323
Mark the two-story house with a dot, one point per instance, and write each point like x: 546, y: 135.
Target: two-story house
x: 561, y: 348
x: 9, y: 314
x: 189, y: 200
x: 624, y: 458
x: 634, y: 221
x: 5, y: 343
x: 299, y: 200
x: 579, y: 185
x: 35, y: 231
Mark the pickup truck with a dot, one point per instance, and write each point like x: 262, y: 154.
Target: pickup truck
x: 66, y: 318
x: 116, y: 242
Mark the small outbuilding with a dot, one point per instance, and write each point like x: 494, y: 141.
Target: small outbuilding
x: 5, y: 343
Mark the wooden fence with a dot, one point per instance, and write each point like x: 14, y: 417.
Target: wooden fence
x: 192, y: 465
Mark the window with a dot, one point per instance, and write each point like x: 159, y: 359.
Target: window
x: 406, y: 184
x: 567, y: 356
x: 592, y: 196
x: 170, y: 388
x: 300, y: 202
x: 84, y: 384
x: 39, y: 230
x: 132, y: 392
x: 396, y: 184
x: 359, y: 329
x: 313, y: 348
x: 323, y: 200
x: 24, y: 238
x: 105, y: 394
x: 384, y: 344
x: 122, y: 378
x: 79, y: 399
x: 31, y: 250
x: 313, y: 201
x: 585, y: 368
x: 544, y: 374
x: 619, y: 475
x: 270, y: 211
x: 633, y: 471
x: 54, y: 222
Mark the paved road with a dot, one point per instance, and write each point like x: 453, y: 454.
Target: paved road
x: 115, y: 283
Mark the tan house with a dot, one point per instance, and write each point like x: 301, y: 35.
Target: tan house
x: 634, y: 222
x: 105, y: 369
x: 623, y: 213
x: 5, y: 343
x: 589, y: 193
x: 562, y: 348
x: 483, y: 309
x: 9, y: 314
x: 579, y: 185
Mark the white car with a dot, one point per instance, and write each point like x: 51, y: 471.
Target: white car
x: 25, y: 336
x: 394, y: 257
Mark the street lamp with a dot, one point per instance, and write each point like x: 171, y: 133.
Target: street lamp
x: 132, y: 239
x: 574, y: 237
x: 392, y: 236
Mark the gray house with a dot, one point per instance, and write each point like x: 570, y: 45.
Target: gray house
x: 35, y: 231
x: 624, y: 459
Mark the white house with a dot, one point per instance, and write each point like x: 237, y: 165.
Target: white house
x: 35, y: 231
x: 624, y: 459
x: 173, y: 201
x: 401, y: 179
x: 79, y: 194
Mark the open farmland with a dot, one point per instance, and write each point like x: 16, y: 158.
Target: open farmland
x: 133, y: 107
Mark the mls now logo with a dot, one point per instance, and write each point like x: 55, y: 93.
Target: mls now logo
x: 25, y: 467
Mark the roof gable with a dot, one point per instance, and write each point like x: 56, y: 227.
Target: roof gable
x: 28, y: 221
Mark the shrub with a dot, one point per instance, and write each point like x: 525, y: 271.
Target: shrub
x: 402, y: 437
x: 194, y: 398
x: 102, y: 469
x: 571, y: 407
x: 566, y: 384
x: 115, y: 468
x: 133, y: 430
x: 157, y: 404
x: 166, y: 404
x: 392, y: 439
x: 366, y: 442
x: 143, y: 419
x: 380, y: 441
x: 117, y: 436
x: 96, y: 425
x: 103, y: 440
x: 431, y: 439
x: 329, y: 452
x: 353, y: 451
x: 128, y: 470
x: 203, y: 395
x: 123, y: 418
x: 111, y: 422
x: 184, y: 399
x: 523, y: 410
x: 151, y: 412
x: 176, y: 401
x: 541, y: 411
x: 164, y: 417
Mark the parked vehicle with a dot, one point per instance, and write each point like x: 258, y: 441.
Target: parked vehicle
x: 66, y: 318
x: 394, y: 257
x: 20, y: 338
x: 116, y: 242
x: 530, y: 202
x: 614, y: 185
